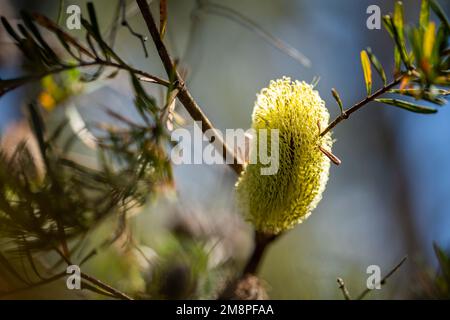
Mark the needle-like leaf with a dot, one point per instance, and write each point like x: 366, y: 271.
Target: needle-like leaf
x: 406, y: 105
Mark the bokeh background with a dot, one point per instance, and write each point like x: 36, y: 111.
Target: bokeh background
x: 389, y: 197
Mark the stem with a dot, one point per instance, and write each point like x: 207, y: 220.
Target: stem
x: 106, y: 287
x: 344, y: 289
x: 385, y: 278
x: 17, y: 82
x: 262, y: 240
x: 116, y: 293
x: 184, y: 95
x: 344, y: 115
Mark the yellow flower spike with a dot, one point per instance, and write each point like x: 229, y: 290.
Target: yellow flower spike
x: 274, y: 203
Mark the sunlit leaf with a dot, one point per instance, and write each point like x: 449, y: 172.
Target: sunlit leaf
x: 365, y: 62
x: 428, y: 41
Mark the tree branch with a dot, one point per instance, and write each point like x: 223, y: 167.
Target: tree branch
x: 184, y: 95
x: 346, y: 113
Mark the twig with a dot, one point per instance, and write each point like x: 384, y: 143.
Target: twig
x: 384, y: 279
x: 118, y: 294
x: 105, y: 287
x: 346, y: 113
x: 184, y: 95
x: 344, y: 289
x: 17, y: 82
x: 125, y: 23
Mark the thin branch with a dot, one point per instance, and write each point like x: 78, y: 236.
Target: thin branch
x: 144, y: 76
x: 89, y: 287
x: 105, y: 287
x: 344, y: 289
x: 384, y: 279
x: 346, y: 113
x: 125, y: 23
x: 184, y: 95
x: 118, y: 294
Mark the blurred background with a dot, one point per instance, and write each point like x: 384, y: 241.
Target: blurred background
x: 389, y: 198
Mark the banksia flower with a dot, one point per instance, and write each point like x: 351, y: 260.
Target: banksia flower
x: 277, y: 202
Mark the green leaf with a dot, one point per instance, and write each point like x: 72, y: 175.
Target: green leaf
x: 338, y: 99
x: 365, y: 62
x: 397, y: 60
x: 440, y: 13
x: 162, y: 17
x: 144, y: 103
x: 415, y: 38
x: 434, y: 95
x: 377, y: 65
x: 444, y: 261
x: 399, y: 21
x: 388, y: 25
x: 399, y: 32
x: 424, y: 14
x: 406, y: 105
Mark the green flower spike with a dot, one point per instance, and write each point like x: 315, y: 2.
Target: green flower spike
x: 274, y: 203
